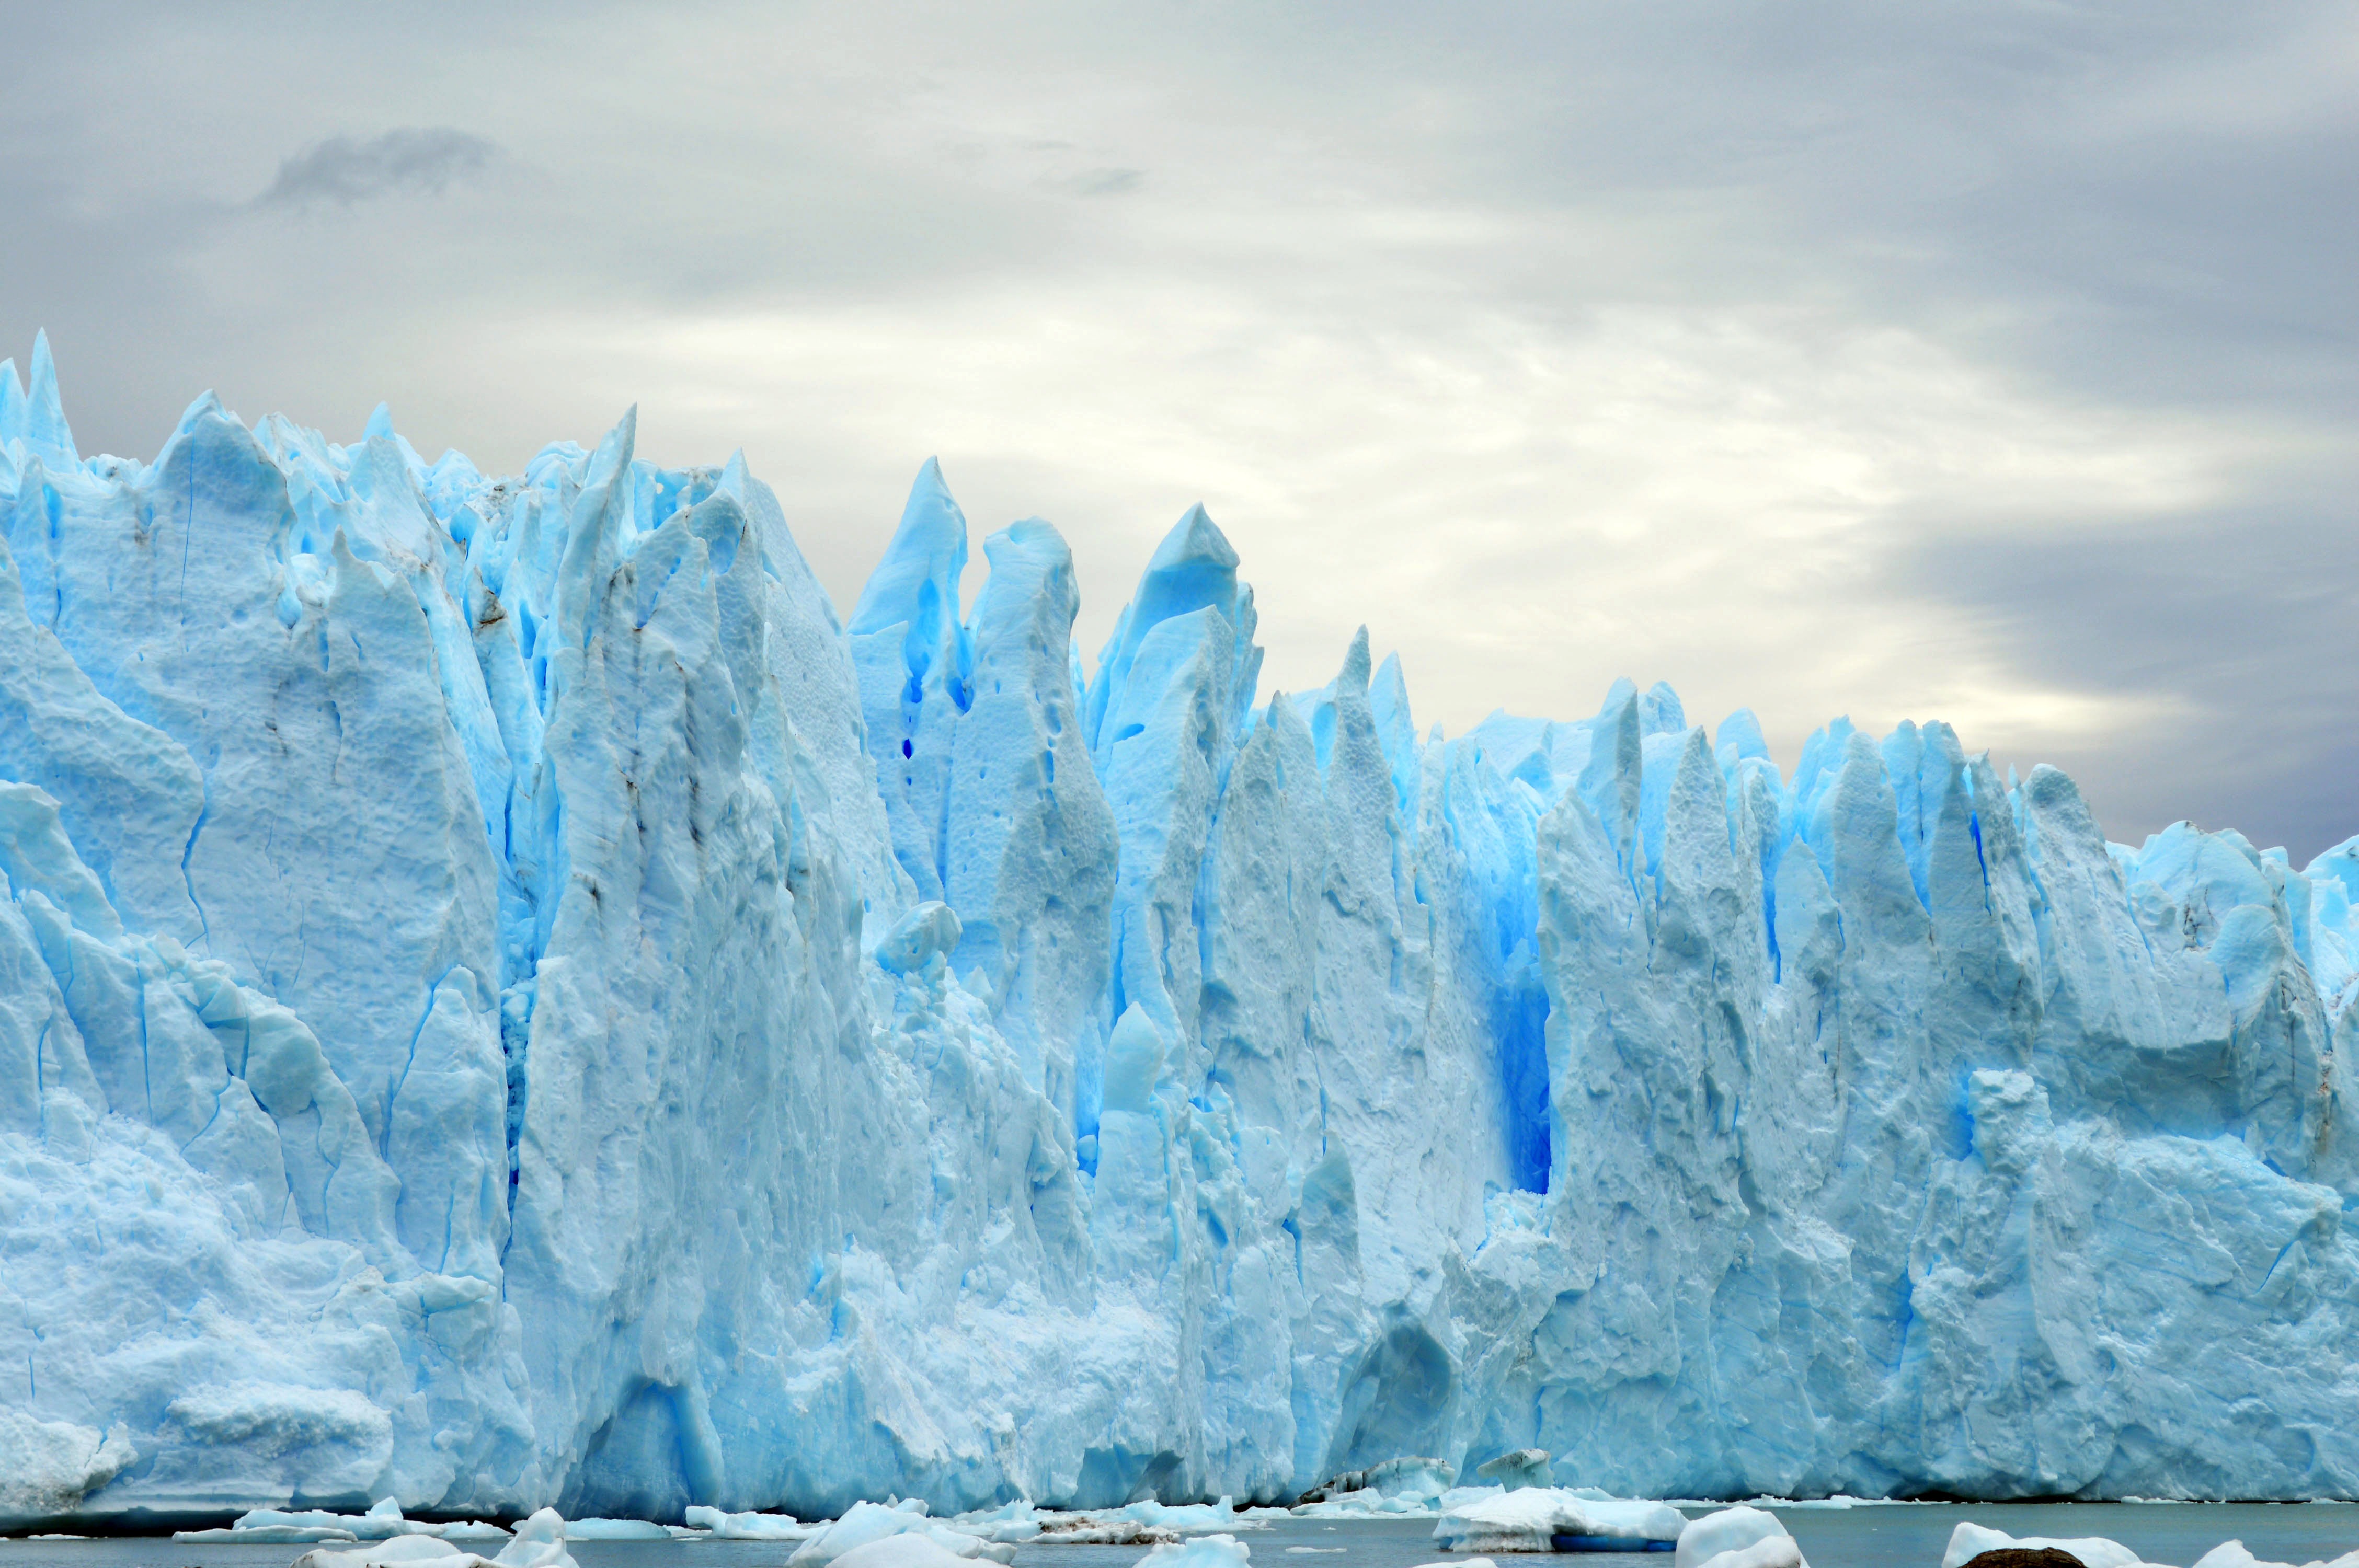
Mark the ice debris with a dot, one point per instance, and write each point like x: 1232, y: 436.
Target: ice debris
x: 506, y: 1000
x: 539, y: 1542
x: 383, y: 1521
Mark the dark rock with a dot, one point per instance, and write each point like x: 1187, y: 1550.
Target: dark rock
x: 2026, y: 1557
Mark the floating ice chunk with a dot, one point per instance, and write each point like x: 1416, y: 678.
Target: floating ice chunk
x: 910, y: 1549
x: 396, y: 1552
x: 1186, y: 1519
x: 1365, y: 1503
x: 540, y: 1542
x: 750, y: 1526
x: 1202, y: 1552
x: 1737, y: 1538
x: 614, y: 1529
x: 273, y: 1527
x: 1970, y: 1540
x: 2232, y: 1555
x: 1015, y: 1521
x: 384, y: 1521
x: 864, y: 1523
x: 1100, y: 1529
x: 1533, y: 1518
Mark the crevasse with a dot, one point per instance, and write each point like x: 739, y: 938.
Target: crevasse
x: 505, y: 999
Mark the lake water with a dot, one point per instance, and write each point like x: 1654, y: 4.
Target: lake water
x: 1873, y: 1536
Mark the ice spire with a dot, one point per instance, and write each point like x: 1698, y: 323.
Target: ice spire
x: 46, y: 436
x: 915, y: 659
x: 1194, y: 568
x: 12, y: 405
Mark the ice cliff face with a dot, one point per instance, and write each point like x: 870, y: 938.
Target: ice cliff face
x: 505, y: 1000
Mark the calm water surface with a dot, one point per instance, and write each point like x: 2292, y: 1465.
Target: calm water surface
x: 1903, y: 1536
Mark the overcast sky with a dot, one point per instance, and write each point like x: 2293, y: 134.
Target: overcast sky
x: 1990, y: 363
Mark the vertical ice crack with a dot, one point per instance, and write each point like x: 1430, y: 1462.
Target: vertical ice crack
x: 204, y: 809
x: 384, y: 1136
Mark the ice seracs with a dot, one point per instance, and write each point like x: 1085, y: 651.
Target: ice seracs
x: 507, y: 1001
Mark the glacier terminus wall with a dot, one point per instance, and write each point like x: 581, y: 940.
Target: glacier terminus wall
x: 507, y: 999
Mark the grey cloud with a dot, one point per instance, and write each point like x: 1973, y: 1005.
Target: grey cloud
x: 2245, y: 617
x: 1107, y: 182
x: 345, y: 170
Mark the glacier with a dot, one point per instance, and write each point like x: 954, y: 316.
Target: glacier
x: 507, y: 1001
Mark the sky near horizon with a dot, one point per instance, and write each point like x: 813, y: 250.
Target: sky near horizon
x: 1994, y: 364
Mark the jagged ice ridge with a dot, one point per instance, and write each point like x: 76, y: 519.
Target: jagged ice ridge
x: 505, y: 999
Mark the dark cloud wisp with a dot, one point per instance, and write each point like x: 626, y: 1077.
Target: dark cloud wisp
x: 347, y: 170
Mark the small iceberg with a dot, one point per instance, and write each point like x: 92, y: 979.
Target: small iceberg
x: 615, y: 1529
x: 1202, y: 1552
x: 1146, y: 1523
x: 709, y: 1523
x: 909, y: 1548
x: 1555, y: 1519
x: 280, y: 1526
x: 2232, y: 1555
x: 864, y: 1523
x: 1737, y: 1538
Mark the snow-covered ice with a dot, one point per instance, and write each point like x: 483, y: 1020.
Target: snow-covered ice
x: 506, y: 1000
